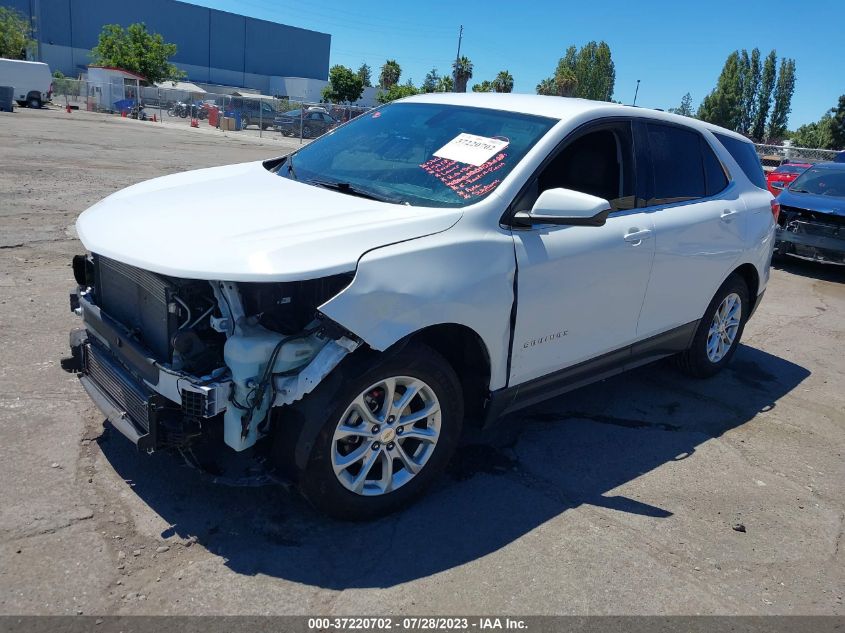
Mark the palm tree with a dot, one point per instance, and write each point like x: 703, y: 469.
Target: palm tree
x: 547, y: 87
x: 462, y: 69
x: 390, y: 73
x: 566, y: 82
x: 503, y: 82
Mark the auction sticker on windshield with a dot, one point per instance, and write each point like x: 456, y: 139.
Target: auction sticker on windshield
x: 471, y: 149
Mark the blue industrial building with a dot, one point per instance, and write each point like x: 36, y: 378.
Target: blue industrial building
x: 213, y: 46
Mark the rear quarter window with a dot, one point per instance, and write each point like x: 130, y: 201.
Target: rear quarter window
x: 746, y: 157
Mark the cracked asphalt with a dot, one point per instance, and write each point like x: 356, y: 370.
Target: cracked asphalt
x: 649, y: 493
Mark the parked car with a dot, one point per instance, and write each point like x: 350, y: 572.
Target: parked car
x: 314, y: 122
x: 252, y: 111
x: 781, y: 176
x: 812, y: 219
x: 433, y: 264
x: 32, y: 81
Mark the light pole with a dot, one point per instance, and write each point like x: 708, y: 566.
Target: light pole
x: 457, y: 60
x: 636, y: 91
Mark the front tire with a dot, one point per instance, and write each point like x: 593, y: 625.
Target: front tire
x: 719, y: 331
x: 388, y: 430
x: 34, y: 102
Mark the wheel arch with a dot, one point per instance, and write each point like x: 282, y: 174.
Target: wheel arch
x: 465, y: 350
x: 296, y: 426
x: 748, y: 273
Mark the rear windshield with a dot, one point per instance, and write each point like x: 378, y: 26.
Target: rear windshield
x: 420, y: 153
x: 746, y: 156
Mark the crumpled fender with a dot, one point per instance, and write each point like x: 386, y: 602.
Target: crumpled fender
x: 449, y: 278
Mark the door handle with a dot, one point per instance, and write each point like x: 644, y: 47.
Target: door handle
x: 728, y: 215
x: 636, y: 236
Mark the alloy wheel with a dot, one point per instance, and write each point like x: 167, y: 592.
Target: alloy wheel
x: 386, y: 436
x: 724, y: 327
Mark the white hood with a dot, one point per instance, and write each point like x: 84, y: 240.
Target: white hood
x: 243, y: 223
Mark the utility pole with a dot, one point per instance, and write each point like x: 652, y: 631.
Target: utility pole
x: 636, y: 91
x: 457, y: 59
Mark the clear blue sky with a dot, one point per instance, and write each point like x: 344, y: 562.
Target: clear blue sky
x: 673, y: 47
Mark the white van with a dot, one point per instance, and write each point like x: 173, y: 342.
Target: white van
x: 32, y: 81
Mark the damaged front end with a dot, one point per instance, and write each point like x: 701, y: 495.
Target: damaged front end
x: 174, y: 361
x: 811, y: 235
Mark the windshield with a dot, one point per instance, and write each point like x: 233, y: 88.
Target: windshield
x: 823, y: 182
x: 790, y: 169
x: 419, y: 153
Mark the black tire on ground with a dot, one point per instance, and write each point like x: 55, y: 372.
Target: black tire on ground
x: 317, y: 481
x: 33, y: 102
x: 244, y: 122
x: 306, y: 132
x: 694, y: 361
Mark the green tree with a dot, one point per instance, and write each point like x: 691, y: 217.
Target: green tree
x: 784, y: 89
x: 462, y: 70
x: 396, y: 91
x: 837, y: 125
x: 484, y: 86
x: 445, y: 84
x: 15, y: 34
x: 685, y: 108
x: 547, y: 87
x: 345, y: 86
x: 365, y: 73
x: 588, y: 72
x: 827, y: 133
x: 137, y: 50
x: 723, y: 106
x: 389, y: 75
x: 750, y: 87
x: 764, y: 96
x: 503, y: 82
x: 815, y: 135
x: 431, y: 81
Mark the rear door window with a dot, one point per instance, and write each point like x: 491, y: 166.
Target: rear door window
x: 746, y: 157
x: 677, y: 166
x: 714, y: 172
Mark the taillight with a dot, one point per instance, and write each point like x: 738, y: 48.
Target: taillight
x: 775, y: 209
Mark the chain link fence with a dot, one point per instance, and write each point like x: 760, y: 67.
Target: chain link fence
x: 253, y: 114
x: 773, y: 156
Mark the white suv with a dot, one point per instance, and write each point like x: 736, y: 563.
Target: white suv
x: 435, y: 263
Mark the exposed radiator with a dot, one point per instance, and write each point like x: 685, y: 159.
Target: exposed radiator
x: 139, y: 300
x: 127, y: 393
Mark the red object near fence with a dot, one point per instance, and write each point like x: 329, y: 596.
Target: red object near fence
x: 213, y: 116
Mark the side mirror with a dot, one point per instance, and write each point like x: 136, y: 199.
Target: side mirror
x: 567, y: 207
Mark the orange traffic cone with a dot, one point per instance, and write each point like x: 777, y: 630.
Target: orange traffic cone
x: 123, y: 114
x: 68, y: 108
x: 155, y: 120
x: 194, y: 122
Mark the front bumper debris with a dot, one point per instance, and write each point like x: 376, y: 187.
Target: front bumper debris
x: 817, y: 238
x: 151, y: 405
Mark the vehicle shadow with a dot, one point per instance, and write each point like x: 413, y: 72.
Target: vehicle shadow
x: 556, y: 456
x: 817, y: 270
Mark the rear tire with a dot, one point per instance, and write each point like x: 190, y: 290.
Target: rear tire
x: 34, y: 102
x: 719, y: 330
x: 402, y: 455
